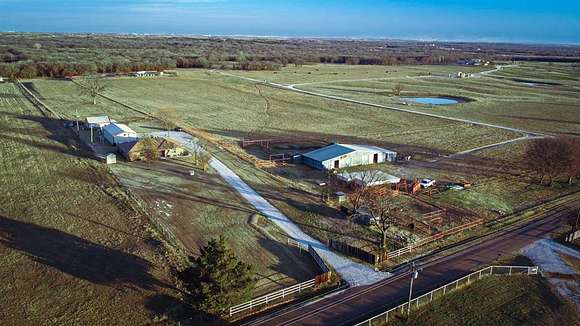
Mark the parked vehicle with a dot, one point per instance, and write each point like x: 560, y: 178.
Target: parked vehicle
x: 426, y: 183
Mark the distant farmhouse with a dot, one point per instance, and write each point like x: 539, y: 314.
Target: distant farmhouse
x: 337, y: 156
x: 146, y: 73
x: 98, y: 122
x: 459, y: 74
x: 473, y: 62
x: 118, y: 133
x: 135, y: 150
x: 1, y: 79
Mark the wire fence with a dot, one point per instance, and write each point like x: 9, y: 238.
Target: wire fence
x: 415, y: 303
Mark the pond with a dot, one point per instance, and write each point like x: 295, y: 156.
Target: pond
x: 432, y: 100
x: 535, y: 83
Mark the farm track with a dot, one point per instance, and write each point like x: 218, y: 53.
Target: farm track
x: 393, y: 108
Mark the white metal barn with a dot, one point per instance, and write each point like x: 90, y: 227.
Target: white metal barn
x: 98, y: 122
x: 337, y: 156
x: 118, y: 133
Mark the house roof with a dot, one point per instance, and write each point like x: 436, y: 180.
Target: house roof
x: 118, y: 128
x: 336, y: 150
x: 126, y: 147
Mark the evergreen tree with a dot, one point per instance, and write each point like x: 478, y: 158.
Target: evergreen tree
x: 217, y: 280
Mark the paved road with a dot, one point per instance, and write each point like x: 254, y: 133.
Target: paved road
x: 354, y: 273
x: 355, y: 305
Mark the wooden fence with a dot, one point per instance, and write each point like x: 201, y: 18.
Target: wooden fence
x: 406, y: 250
x: 352, y: 251
x: 379, y: 258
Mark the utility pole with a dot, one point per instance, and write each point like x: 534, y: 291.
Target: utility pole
x: 77, y: 114
x: 414, y: 275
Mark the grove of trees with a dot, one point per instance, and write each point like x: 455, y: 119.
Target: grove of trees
x: 551, y: 158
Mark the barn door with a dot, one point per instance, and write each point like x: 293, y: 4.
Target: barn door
x: 336, y: 164
x: 376, y: 158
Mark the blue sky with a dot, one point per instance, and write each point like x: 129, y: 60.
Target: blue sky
x: 512, y: 21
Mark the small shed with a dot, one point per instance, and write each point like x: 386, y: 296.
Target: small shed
x: 1, y: 79
x: 111, y: 158
x: 170, y: 148
x: 118, y: 133
x: 337, y: 156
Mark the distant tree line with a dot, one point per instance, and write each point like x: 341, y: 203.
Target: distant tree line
x: 28, y: 55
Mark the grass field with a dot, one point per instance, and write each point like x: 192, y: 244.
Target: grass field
x: 235, y: 109
x: 196, y: 209
x: 72, y: 249
x: 497, y: 98
x: 514, y: 300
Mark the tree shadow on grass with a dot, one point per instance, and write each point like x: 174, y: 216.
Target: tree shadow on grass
x: 76, y: 256
x: 168, y: 308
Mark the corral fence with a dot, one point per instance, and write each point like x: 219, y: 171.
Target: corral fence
x: 401, y: 310
x: 260, y: 303
x: 379, y: 258
x: 438, y: 236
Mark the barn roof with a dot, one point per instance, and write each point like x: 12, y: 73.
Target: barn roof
x: 336, y: 150
x: 118, y: 128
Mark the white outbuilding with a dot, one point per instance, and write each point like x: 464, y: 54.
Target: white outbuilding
x: 368, y: 178
x: 118, y: 133
x: 98, y: 122
x: 337, y: 156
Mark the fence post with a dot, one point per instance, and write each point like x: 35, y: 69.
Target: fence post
x: 431, y: 299
x: 283, y: 292
x: 510, y: 271
x: 387, y: 316
x: 491, y: 271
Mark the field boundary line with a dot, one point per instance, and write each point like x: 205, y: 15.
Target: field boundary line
x: 35, y: 100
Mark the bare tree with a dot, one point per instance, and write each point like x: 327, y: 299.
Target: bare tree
x: 397, y: 89
x: 572, y: 158
x: 550, y: 157
x: 168, y: 117
x: 361, y: 182
x: 384, y: 211
x: 92, y: 87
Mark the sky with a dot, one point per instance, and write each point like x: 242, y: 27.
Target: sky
x: 526, y: 21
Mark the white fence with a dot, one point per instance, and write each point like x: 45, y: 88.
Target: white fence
x: 269, y: 298
x: 282, y: 294
x: 383, y: 318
